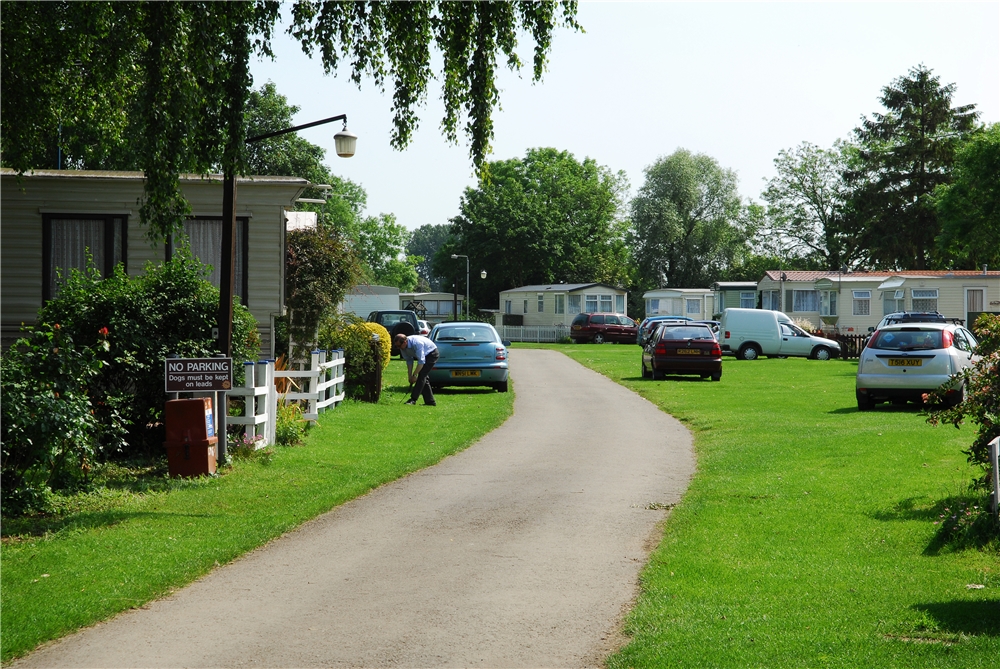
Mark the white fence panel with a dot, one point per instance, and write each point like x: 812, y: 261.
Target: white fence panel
x: 260, y: 402
x: 534, y: 333
x: 326, y: 382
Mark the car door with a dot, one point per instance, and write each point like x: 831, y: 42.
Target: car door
x: 966, y: 344
x: 794, y: 341
x: 612, y: 328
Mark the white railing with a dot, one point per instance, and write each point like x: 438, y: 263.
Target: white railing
x: 325, y: 382
x: 535, y: 333
x: 260, y: 402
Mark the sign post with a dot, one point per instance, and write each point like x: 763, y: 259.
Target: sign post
x: 198, y: 375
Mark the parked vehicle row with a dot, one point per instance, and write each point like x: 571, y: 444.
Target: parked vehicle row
x: 682, y: 348
x: 599, y: 328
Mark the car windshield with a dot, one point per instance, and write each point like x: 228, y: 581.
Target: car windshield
x: 686, y: 332
x: 908, y: 340
x: 478, y: 333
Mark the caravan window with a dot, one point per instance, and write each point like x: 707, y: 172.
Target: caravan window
x: 204, y: 236
x: 69, y: 240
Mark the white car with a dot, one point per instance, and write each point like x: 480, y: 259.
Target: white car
x: 423, y: 328
x: 903, y: 362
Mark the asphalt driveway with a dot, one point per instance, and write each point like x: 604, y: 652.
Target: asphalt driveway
x: 522, y: 551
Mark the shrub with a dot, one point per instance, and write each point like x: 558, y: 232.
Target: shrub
x: 169, y: 308
x: 982, y: 396
x: 291, y: 426
x: 48, y: 428
x: 350, y: 333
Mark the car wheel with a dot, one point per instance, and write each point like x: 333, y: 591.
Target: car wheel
x: 865, y: 403
x: 821, y: 353
x: 748, y: 352
x: 658, y: 375
x: 501, y: 387
x: 717, y: 376
x: 704, y: 376
x: 598, y: 338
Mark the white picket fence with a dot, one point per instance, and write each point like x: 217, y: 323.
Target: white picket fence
x: 324, y: 382
x: 535, y: 333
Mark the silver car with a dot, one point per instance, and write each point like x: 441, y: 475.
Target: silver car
x: 902, y: 363
x: 470, y: 354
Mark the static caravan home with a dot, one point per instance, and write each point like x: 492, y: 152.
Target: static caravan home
x: 559, y: 303
x: 855, y: 301
x: 51, y: 219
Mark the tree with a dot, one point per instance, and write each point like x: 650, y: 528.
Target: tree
x: 380, y: 243
x: 904, y: 154
x: 686, y: 220
x: 425, y: 242
x: 969, y: 207
x: 542, y: 219
x: 164, y: 86
x: 805, y: 204
x: 321, y: 267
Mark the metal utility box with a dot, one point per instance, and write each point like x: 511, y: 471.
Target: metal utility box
x: 191, y: 443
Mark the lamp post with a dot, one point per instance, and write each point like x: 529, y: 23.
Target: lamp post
x: 455, y: 256
x: 346, y: 142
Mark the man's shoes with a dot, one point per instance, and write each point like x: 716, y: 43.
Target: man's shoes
x: 410, y: 402
x: 432, y: 404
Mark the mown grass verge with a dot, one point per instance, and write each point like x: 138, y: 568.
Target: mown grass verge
x: 115, y: 551
x: 812, y: 535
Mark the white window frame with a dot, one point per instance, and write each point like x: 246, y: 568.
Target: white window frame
x: 690, y: 302
x: 620, y: 304
x: 541, y: 302
x: 574, y: 304
x: 896, y: 303
x: 607, y: 303
x: 560, y: 303
x: 771, y: 299
x: 862, y: 302
x: 525, y: 311
x: 748, y: 299
x: 591, y: 303
x: 653, y: 305
x: 508, y: 307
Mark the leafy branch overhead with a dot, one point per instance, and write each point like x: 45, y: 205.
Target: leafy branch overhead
x: 163, y: 86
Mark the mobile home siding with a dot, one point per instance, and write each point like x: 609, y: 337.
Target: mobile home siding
x: 262, y: 200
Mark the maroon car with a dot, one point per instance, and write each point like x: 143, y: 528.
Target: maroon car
x: 599, y: 328
x: 682, y: 348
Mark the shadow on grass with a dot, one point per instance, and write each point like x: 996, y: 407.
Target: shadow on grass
x: 676, y: 377
x: 36, y: 526
x: 964, y: 617
x: 960, y: 521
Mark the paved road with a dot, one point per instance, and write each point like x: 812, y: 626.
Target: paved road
x: 522, y: 551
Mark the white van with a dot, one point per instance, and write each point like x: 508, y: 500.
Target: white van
x: 751, y: 333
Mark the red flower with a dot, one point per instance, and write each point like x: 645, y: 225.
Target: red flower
x: 103, y: 332
x: 55, y: 326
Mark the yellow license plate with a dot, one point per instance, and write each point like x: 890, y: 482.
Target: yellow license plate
x: 689, y: 351
x: 905, y: 362
x: 464, y: 372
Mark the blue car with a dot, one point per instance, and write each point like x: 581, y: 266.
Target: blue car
x: 470, y: 354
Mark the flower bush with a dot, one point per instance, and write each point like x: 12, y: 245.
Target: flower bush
x: 354, y: 336
x: 291, y: 427
x: 50, y: 432
x: 170, y: 308
x: 982, y: 397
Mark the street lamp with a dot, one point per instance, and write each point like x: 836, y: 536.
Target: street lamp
x: 455, y: 256
x: 482, y: 274
x: 345, y: 141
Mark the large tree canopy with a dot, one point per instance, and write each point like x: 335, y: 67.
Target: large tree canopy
x: 689, y: 224
x: 969, y: 207
x: 542, y: 219
x: 805, y: 204
x: 425, y: 242
x: 905, y: 153
x: 163, y: 86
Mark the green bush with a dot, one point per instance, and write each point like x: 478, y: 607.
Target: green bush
x: 169, y: 308
x: 49, y: 432
x: 290, y: 428
x: 353, y: 335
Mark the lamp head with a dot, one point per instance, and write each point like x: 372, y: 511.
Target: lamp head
x: 346, y: 142
x: 483, y: 274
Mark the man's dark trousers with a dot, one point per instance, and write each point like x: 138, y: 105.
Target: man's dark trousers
x: 423, y: 385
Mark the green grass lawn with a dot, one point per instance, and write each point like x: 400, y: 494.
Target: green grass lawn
x: 808, y: 535
x: 118, y: 550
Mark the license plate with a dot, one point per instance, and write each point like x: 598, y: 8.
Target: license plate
x: 689, y: 351
x: 905, y: 362
x: 464, y: 372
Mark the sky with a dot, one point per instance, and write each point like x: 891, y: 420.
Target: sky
x: 736, y: 81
